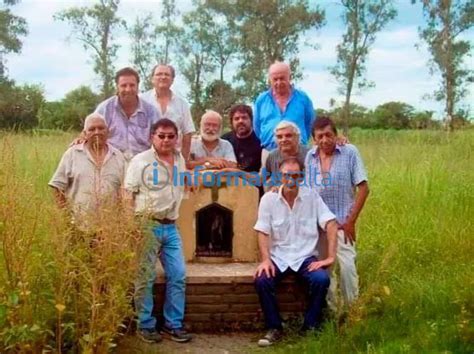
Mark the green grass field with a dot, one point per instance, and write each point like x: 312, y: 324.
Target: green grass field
x: 415, y: 241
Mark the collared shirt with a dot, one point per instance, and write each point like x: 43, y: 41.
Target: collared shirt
x: 267, y: 115
x: 156, y: 185
x: 85, y: 184
x: 177, y: 110
x: 247, y: 151
x: 293, y: 231
x: 129, y: 135
x: 223, y: 150
x: 337, y: 188
x: 275, y: 157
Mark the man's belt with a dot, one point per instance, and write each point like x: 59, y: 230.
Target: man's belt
x: 164, y: 221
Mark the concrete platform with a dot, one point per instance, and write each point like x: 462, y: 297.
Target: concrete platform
x: 222, y: 297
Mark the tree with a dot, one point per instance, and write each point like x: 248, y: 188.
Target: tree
x: 195, y: 62
x: 363, y: 19
x: 169, y: 33
x: 19, y: 105
x: 94, y: 27
x: 12, y: 27
x: 268, y: 30
x: 446, y: 21
x: 393, y: 115
x: 143, y: 38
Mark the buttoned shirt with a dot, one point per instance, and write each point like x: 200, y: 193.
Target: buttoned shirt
x: 177, y: 110
x: 129, y: 135
x: 85, y: 184
x: 223, y: 150
x: 267, y: 115
x: 293, y: 231
x: 156, y: 185
x: 337, y: 187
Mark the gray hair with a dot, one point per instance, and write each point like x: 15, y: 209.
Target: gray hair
x: 287, y: 124
x: 91, y: 116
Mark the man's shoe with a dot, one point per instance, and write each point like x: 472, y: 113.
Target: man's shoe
x: 178, y: 334
x: 149, y: 335
x: 272, y: 336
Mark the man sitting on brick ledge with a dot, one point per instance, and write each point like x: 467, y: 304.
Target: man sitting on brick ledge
x: 287, y: 229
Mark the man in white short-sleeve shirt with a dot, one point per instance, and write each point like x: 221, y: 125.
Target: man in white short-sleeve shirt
x: 287, y: 227
x: 171, y: 105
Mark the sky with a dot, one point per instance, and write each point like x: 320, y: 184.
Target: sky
x: 398, y: 69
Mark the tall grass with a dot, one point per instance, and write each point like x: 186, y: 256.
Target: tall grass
x: 60, y: 288
x: 415, y: 253
x: 415, y: 249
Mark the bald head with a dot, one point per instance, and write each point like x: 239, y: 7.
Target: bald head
x: 279, y: 75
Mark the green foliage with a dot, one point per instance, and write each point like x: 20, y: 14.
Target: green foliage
x: 12, y: 27
x: 394, y: 115
x: 19, y: 105
x: 267, y: 31
x: 446, y: 21
x: 95, y: 27
x: 69, y: 113
x: 363, y: 19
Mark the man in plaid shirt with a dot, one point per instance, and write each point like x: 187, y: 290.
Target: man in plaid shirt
x: 341, y: 181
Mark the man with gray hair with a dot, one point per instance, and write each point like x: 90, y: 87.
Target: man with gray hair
x: 287, y: 137
x: 209, y: 150
x: 90, y: 173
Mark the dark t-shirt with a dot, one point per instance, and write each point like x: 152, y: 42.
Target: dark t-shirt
x: 247, y: 151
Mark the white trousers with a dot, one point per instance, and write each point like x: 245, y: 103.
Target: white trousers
x: 349, y: 279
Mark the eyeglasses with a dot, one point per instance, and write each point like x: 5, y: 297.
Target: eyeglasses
x: 281, y: 136
x: 170, y: 136
x: 293, y: 176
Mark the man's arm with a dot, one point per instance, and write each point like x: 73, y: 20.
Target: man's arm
x: 361, y: 197
x: 266, y: 266
x: 186, y: 145
x: 331, y: 232
x: 60, y: 198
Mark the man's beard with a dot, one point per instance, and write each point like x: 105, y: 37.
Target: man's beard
x: 209, y: 137
x: 243, y: 130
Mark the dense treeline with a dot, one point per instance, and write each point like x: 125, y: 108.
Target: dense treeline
x: 223, y: 48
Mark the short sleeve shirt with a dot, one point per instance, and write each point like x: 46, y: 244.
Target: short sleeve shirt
x: 223, y: 150
x: 247, y: 151
x: 130, y: 135
x: 293, y: 231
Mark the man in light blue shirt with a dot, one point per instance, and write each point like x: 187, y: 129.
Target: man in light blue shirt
x: 281, y: 102
x: 128, y: 117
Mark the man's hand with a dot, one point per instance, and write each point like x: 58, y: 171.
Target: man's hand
x: 342, y: 140
x: 349, y: 231
x: 313, y: 266
x: 266, y: 267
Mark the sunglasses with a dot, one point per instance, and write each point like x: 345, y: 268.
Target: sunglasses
x: 170, y: 136
x: 281, y: 136
x: 293, y: 176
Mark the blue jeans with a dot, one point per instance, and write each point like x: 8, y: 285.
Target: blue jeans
x: 164, y: 242
x: 318, y: 284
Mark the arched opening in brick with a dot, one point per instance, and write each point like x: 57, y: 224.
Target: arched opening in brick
x: 214, y: 231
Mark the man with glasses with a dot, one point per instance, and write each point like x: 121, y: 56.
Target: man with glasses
x: 287, y: 228
x: 171, y: 105
x: 150, y: 187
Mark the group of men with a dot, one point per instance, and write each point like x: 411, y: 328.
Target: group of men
x: 132, y: 138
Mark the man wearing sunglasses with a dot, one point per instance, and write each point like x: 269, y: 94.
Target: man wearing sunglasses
x: 150, y: 187
x: 287, y: 228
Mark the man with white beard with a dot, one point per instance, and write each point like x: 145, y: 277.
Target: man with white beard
x: 209, y: 150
